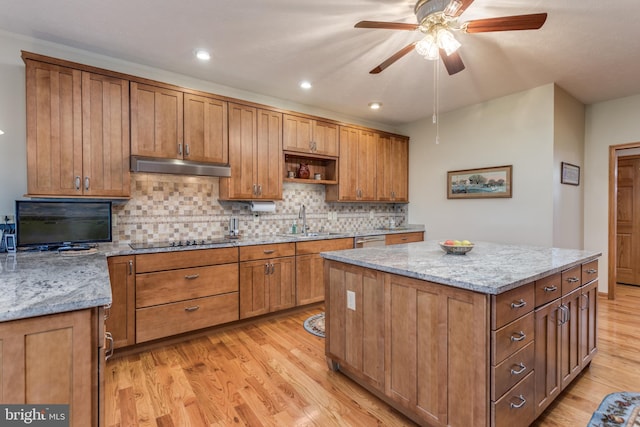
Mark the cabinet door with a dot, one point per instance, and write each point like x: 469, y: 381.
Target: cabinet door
x: 384, y: 179
x: 54, y: 130
x: 242, y: 153
x: 588, y: 315
x: 156, y: 121
x: 53, y: 360
x: 309, y: 279
x: 268, y: 154
x: 570, y: 365
x: 399, y: 162
x: 282, y: 276
x: 121, y: 320
x: 325, y: 138
x: 347, y: 165
x: 205, y: 129
x: 297, y: 133
x: 254, y: 288
x: 367, y: 142
x: 105, y: 136
x: 547, y: 355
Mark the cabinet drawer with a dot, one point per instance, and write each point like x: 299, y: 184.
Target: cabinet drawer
x: 512, y: 304
x: 516, y: 407
x: 589, y: 271
x: 179, y: 285
x: 395, y: 239
x: 511, y: 338
x: 171, y: 319
x: 146, y: 263
x: 317, y: 246
x: 571, y: 279
x: 548, y: 288
x: 250, y: 253
x: 511, y: 370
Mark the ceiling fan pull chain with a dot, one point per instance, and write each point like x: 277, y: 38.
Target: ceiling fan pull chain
x: 436, y: 99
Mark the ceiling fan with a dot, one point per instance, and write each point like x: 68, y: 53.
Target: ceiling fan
x: 437, y: 18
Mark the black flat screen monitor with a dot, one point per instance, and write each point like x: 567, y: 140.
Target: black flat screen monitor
x: 55, y: 224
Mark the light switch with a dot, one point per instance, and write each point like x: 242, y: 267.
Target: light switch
x: 351, y: 300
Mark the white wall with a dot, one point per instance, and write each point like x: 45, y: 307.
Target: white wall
x: 607, y: 123
x: 513, y: 130
x: 13, y: 179
x: 568, y: 212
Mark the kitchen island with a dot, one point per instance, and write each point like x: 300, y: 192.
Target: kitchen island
x: 489, y: 338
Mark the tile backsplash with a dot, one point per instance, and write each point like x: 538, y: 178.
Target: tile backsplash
x: 172, y: 207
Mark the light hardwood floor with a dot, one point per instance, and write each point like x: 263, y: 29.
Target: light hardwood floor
x: 273, y: 373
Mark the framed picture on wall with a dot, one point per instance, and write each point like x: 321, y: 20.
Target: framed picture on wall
x: 483, y: 183
x: 570, y: 174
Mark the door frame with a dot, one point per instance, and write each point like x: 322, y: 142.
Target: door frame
x: 613, y: 212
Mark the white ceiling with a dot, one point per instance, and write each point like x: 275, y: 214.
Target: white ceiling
x: 590, y: 48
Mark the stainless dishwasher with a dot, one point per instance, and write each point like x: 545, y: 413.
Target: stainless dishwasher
x: 369, y: 241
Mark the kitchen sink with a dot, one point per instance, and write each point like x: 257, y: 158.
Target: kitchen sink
x: 311, y: 235
x: 398, y: 228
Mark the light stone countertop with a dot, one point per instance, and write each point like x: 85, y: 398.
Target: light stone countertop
x: 489, y: 268
x: 41, y: 283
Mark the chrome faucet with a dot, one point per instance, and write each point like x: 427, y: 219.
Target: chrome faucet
x: 303, y: 216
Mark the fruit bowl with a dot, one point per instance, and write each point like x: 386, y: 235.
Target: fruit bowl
x: 456, y: 249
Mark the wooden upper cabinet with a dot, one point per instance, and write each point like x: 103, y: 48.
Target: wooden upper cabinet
x: 255, y: 146
x: 205, y: 129
x: 156, y: 121
x: 309, y: 136
x: 392, y: 181
x: 77, y: 132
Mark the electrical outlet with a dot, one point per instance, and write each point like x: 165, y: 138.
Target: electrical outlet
x: 371, y: 214
x: 351, y: 300
x: 8, y: 218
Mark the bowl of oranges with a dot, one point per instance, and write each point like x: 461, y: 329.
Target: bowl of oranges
x: 456, y: 247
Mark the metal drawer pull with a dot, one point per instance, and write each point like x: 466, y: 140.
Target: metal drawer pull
x: 194, y: 308
x: 518, y: 338
x: 180, y: 149
x: 130, y: 267
x: 268, y: 251
x: 77, y: 182
x: 266, y: 269
x: 586, y: 306
x: 591, y: 271
x: 573, y: 279
x: 109, y: 351
x: 550, y: 288
x: 186, y: 149
x: 518, y: 304
x: 191, y: 276
x: 86, y: 182
x: 107, y: 311
x: 519, y: 371
x: 519, y: 405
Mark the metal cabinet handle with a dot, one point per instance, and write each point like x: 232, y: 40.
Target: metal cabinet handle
x: 255, y: 189
x: 130, y: 267
x: 268, y: 251
x: 180, y: 149
x: 86, y: 182
x: 550, y: 288
x: 519, y: 371
x: 518, y: 304
x: 266, y: 269
x: 586, y: 306
x: 193, y: 308
x: 572, y: 279
x: 273, y: 268
x: 186, y: 149
x: 77, y: 182
x: 404, y: 238
x: 259, y: 189
x: 107, y: 311
x: 518, y: 405
x: 591, y: 271
x: 566, y: 314
x: 518, y: 336
x: 191, y: 276
x: 110, y: 348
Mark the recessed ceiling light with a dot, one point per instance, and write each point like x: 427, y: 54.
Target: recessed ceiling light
x: 305, y: 85
x: 1, y: 132
x: 203, y: 55
x: 375, y: 105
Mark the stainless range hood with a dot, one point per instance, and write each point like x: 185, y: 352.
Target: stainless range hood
x: 177, y: 167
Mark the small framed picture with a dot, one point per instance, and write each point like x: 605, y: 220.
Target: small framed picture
x: 570, y: 174
x: 10, y: 242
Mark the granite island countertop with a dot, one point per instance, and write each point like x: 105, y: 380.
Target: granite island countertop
x: 40, y: 283
x: 489, y: 268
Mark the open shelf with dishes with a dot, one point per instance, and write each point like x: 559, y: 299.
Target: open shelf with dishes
x: 325, y: 166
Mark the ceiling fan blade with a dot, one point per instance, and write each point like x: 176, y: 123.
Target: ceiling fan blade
x: 463, y: 7
x: 506, y: 23
x: 393, y: 58
x: 386, y: 25
x: 453, y: 63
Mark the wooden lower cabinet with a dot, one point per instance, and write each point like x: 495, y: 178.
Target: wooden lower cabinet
x: 55, y: 359
x: 121, y: 318
x: 430, y: 341
x: 570, y: 365
x: 588, y: 320
x: 266, y: 286
x: 398, y: 238
x: 548, y: 347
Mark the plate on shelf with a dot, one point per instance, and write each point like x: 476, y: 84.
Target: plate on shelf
x: 456, y: 249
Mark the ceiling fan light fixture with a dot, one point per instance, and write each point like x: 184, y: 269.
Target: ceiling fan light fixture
x: 452, y: 8
x: 447, y: 41
x: 428, y: 47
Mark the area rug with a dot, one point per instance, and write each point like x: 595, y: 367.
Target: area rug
x: 617, y: 410
x: 315, y: 324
